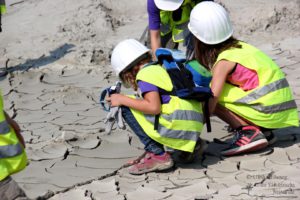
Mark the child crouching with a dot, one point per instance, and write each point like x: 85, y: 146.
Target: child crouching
x: 157, y: 118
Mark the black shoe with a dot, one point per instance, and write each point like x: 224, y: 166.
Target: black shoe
x: 187, y: 157
x: 270, y: 137
x: 247, y: 139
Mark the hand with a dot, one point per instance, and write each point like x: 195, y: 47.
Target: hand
x: 115, y: 100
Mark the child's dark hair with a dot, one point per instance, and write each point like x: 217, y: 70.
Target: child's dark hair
x: 128, y: 76
x: 207, y: 54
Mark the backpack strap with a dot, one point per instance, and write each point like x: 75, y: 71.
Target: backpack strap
x: 207, y: 116
x: 174, y: 63
x: 156, y: 121
x: 186, y: 76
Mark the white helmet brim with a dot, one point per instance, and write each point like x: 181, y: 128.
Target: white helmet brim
x: 168, y: 5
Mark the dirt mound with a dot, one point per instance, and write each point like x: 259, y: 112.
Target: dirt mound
x: 274, y: 19
x: 84, y: 26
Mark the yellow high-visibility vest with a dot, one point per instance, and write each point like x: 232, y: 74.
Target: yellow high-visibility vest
x: 178, y: 28
x: 12, y: 155
x: 2, y: 7
x: 180, y: 121
x: 271, y: 104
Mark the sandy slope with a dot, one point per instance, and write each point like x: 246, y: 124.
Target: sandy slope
x: 38, y: 27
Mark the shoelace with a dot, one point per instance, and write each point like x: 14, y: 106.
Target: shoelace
x: 236, y: 137
x: 147, y: 156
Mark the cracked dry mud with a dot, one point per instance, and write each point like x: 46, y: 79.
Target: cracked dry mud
x: 54, y: 98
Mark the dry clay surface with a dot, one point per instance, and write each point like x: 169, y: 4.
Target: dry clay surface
x: 57, y: 53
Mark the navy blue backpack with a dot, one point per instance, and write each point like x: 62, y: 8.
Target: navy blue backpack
x: 190, y: 79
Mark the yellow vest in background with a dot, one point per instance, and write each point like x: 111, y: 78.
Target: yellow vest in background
x: 2, y: 7
x: 271, y: 104
x: 178, y: 28
x: 12, y: 155
x: 180, y: 121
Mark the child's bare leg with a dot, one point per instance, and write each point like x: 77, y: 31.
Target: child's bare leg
x: 229, y: 117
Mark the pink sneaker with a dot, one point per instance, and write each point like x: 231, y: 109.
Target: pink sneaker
x: 135, y: 161
x: 151, y: 163
x: 247, y: 139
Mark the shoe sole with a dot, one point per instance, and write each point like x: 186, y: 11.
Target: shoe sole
x: 253, y: 146
x: 159, y: 167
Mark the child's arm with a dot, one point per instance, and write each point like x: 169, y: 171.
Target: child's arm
x: 16, y: 127
x: 150, y: 104
x: 219, y: 76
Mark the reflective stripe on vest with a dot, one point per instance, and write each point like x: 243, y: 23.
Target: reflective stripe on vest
x: 10, y: 150
x: 4, y: 127
x: 257, y: 93
x: 165, y: 29
x: 182, y: 26
x: 180, y: 134
x: 182, y: 32
x: 178, y: 28
x: 183, y: 115
x: 271, y: 104
x: 178, y: 115
x: 180, y: 121
x: 275, y: 108
x: 12, y: 156
x: 260, y: 92
x: 177, y: 133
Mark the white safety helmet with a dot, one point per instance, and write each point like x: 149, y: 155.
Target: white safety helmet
x: 126, y: 54
x: 168, y: 5
x: 210, y: 23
